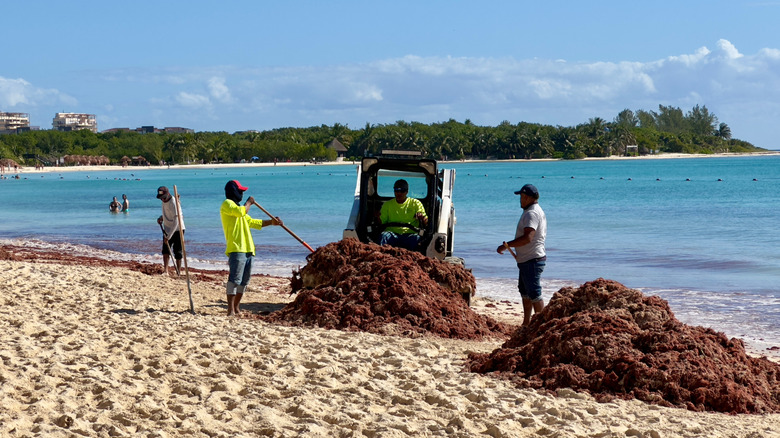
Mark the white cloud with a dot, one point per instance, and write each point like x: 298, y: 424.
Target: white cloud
x: 692, y: 59
x: 218, y: 90
x: 728, y: 49
x: 192, y: 100
x: 548, y: 89
x: 19, y: 93
x: 366, y: 93
x: 485, y: 90
x: 13, y: 91
x: 742, y: 89
x: 489, y: 90
x: 770, y: 53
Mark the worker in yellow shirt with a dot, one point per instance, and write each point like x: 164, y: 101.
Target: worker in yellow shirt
x: 236, y: 224
x: 402, y: 210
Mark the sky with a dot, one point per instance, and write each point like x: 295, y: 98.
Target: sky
x: 259, y: 65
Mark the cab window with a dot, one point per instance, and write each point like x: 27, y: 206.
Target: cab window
x: 418, y: 188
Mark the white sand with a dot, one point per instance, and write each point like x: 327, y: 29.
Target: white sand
x: 61, y: 169
x: 87, y: 351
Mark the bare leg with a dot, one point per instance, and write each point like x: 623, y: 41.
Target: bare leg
x: 231, y: 298
x: 239, y: 295
x: 178, y: 266
x: 236, y: 303
x: 166, y: 257
x: 527, y: 310
x: 530, y: 307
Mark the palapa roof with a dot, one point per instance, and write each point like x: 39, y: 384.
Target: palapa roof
x: 336, y: 145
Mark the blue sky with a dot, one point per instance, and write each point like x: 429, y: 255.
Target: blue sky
x: 241, y: 65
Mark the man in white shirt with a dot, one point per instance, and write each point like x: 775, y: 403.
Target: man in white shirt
x: 531, y: 256
x: 170, y: 224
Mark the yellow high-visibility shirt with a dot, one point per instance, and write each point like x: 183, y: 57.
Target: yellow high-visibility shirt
x: 392, y: 211
x: 236, y: 224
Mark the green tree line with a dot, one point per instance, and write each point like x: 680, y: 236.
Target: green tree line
x: 642, y: 132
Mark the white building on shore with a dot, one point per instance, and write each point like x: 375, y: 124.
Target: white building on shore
x: 14, y: 121
x: 74, y: 122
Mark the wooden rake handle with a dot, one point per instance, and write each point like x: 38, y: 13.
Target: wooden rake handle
x: 510, y: 250
x: 285, y: 227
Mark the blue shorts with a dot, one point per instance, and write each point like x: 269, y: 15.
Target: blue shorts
x: 240, y: 264
x: 529, y: 282
x: 408, y: 241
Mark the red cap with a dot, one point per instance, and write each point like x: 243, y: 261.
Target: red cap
x: 239, y: 186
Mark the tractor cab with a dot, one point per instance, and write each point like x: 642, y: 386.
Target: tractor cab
x: 427, y: 183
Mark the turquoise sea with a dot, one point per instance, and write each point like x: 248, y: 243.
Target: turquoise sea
x: 702, y: 233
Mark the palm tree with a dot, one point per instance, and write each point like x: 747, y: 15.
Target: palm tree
x: 596, y: 127
x: 723, y: 131
x: 620, y: 137
x: 342, y: 133
x: 365, y: 142
x: 627, y: 118
x: 593, y: 139
x: 217, y: 147
x: 175, y: 144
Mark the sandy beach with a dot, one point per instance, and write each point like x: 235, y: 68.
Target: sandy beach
x: 97, y: 168
x: 91, y: 349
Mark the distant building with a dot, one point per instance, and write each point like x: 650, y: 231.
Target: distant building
x: 166, y: 130
x: 336, y: 145
x: 177, y: 130
x: 74, y: 122
x: 14, y: 122
x: 153, y: 130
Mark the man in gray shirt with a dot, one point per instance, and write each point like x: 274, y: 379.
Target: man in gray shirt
x: 531, y: 256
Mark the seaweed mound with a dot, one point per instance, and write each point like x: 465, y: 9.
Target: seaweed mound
x: 614, y: 342
x: 349, y: 285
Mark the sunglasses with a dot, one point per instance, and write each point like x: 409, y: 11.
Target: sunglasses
x: 399, y: 189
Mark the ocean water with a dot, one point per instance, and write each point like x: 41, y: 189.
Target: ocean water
x: 699, y: 232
